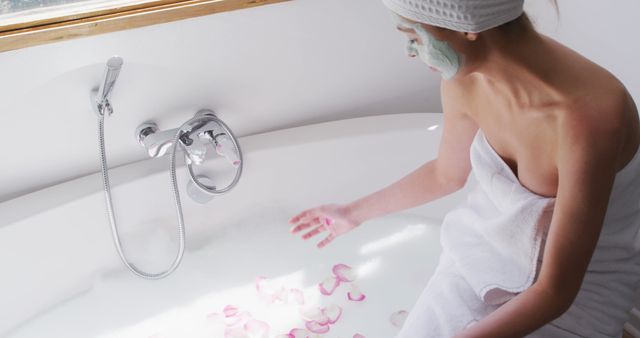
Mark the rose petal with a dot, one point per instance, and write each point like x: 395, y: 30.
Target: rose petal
x: 344, y: 273
x: 260, y: 281
x: 357, y: 335
x: 316, y: 327
x: 397, y: 318
x: 324, y: 320
x: 356, y: 297
x: 269, y: 292
x: 313, y: 314
x: 299, y: 333
x: 237, y: 319
x: 256, y: 328
x: 355, y: 294
x: 333, y: 312
x: 328, y: 285
x: 265, y: 287
x: 280, y: 295
x: 298, y: 296
x: 230, y: 311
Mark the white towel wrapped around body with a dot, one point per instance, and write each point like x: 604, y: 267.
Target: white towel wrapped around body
x: 492, y: 250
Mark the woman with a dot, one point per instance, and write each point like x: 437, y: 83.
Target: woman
x: 564, y: 126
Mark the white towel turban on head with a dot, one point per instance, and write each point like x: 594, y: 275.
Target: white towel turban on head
x: 471, y: 16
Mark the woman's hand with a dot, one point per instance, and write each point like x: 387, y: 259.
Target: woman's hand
x: 336, y: 219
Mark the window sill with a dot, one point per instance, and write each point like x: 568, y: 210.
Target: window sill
x: 12, y: 38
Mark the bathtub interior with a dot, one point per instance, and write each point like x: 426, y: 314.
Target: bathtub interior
x: 224, y: 273
x: 63, y: 276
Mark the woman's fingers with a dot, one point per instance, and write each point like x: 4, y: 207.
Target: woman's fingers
x: 298, y: 217
x: 304, y: 214
x: 326, y: 241
x: 318, y: 220
x: 313, y: 232
x: 300, y: 227
x: 305, y: 225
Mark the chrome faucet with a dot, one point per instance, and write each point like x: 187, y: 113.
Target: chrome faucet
x: 194, y: 139
x: 193, y: 136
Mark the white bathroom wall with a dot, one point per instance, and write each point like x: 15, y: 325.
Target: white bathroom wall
x: 264, y: 68
x: 261, y: 69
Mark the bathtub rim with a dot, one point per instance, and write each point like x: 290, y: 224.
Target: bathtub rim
x: 61, y: 194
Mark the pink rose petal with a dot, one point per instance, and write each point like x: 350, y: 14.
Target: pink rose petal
x: 324, y: 320
x: 237, y: 319
x: 256, y: 328
x: 328, y: 220
x: 259, y: 282
x: 298, y: 333
x: 328, y: 285
x: 355, y: 294
x: 333, y: 312
x: 281, y: 295
x: 313, y: 314
x: 298, y: 296
x: 316, y: 327
x: 397, y: 318
x: 264, y: 287
x: 344, y: 273
x: 269, y: 292
x: 357, y: 335
x: 230, y: 311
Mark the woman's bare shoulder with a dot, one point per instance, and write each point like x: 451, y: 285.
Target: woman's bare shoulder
x: 606, y: 115
x: 604, y: 103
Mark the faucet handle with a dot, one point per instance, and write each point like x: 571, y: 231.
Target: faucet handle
x: 196, y: 151
x: 226, y: 148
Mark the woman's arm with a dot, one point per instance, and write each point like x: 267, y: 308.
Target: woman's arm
x: 586, y: 171
x: 421, y: 186
x: 435, y: 179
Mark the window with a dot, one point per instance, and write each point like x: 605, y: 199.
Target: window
x: 24, y: 13
x: 25, y: 23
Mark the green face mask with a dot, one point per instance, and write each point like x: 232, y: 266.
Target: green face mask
x: 435, y: 53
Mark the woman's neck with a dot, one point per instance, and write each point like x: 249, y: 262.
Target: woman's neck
x: 520, y: 68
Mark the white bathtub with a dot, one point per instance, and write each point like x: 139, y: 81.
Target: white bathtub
x: 61, y: 276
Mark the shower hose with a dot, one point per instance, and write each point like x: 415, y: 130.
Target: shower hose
x: 176, y: 194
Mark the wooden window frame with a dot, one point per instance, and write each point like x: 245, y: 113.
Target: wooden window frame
x: 22, y: 35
